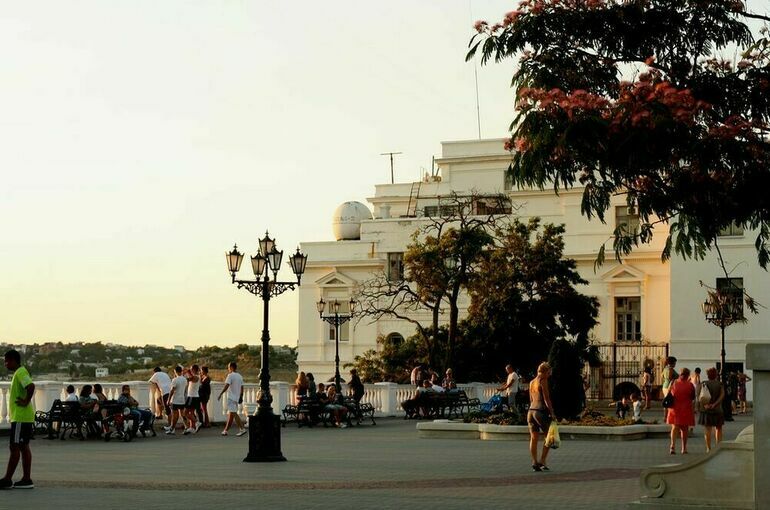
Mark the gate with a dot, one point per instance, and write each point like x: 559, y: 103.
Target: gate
x: 624, y: 363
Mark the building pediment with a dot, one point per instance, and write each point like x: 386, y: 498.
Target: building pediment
x: 624, y: 273
x: 335, y: 279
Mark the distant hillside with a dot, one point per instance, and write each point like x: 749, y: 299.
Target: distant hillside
x: 81, y: 360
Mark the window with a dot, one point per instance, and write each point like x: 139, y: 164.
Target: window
x: 344, y: 332
x: 732, y: 287
x: 395, y: 338
x: 491, y: 205
x: 627, y: 216
x: 628, y: 319
x: 508, y: 183
x: 395, y: 267
x: 732, y: 229
x: 431, y: 210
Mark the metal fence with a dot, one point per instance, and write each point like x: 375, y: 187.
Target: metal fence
x: 624, y: 363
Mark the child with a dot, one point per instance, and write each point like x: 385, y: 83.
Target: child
x: 636, y: 404
x: 622, y: 408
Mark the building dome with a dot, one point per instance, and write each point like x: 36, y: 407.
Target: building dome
x: 347, y: 218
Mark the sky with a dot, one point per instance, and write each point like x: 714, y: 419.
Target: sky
x: 139, y: 140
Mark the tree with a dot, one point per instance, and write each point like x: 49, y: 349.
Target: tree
x: 566, y: 382
x: 438, y: 264
x: 524, y: 299
x: 686, y: 139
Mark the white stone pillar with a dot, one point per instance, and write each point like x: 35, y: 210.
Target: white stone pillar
x: 45, y: 393
x: 280, y: 392
x: 216, y: 407
x: 140, y: 390
x: 758, y: 360
x: 478, y: 391
x: 389, y: 397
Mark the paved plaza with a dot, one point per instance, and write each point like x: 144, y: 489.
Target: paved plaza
x: 382, y: 466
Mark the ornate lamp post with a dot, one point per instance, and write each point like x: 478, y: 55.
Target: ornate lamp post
x: 722, y: 310
x: 264, y: 427
x: 336, y: 319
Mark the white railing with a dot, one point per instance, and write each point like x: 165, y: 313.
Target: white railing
x: 385, y: 397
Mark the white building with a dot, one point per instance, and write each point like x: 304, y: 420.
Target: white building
x: 634, y: 296
x: 102, y: 372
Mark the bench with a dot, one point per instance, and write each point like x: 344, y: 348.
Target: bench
x: 309, y: 412
x: 451, y: 404
x: 62, y: 416
x: 359, y: 410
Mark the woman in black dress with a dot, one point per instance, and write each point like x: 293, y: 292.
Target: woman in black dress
x: 205, y: 394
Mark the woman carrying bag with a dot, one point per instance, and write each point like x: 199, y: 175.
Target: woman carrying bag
x: 711, y: 416
x: 539, y: 415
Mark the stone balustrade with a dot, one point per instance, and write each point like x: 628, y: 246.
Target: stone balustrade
x: 385, y: 397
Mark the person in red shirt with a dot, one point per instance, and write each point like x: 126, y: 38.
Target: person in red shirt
x: 681, y: 415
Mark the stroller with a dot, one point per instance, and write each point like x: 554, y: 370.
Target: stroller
x: 494, y: 404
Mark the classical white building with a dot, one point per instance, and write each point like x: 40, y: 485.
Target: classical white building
x: 635, y: 296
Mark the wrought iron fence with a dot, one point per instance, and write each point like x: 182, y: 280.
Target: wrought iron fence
x: 624, y: 363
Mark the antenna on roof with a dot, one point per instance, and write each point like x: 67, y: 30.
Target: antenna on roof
x: 392, y: 180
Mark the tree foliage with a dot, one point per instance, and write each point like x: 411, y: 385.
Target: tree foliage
x: 525, y: 297
x: 439, y: 263
x: 627, y: 97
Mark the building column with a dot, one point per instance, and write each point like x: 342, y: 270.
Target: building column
x: 758, y: 360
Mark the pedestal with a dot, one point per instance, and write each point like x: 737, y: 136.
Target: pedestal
x: 758, y: 360
x: 264, y: 438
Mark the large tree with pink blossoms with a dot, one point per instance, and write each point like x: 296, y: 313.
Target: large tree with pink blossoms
x: 631, y: 97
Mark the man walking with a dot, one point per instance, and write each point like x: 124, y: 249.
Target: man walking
x: 511, y: 386
x: 178, y: 401
x: 234, y: 389
x: 22, y: 418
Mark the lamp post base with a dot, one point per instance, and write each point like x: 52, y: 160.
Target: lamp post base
x: 264, y: 438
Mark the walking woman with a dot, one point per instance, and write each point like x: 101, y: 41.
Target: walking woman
x: 539, y: 415
x: 712, y: 415
x: 669, y: 376
x: 681, y: 416
x: 742, y: 380
x: 647, y: 386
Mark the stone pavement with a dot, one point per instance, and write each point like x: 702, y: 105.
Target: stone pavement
x: 382, y: 466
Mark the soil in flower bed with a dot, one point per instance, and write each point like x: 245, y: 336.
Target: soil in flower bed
x: 589, y: 418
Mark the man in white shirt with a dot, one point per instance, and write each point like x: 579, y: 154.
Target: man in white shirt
x: 234, y: 389
x: 178, y: 400
x: 162, y: 384
x: 511, y: 385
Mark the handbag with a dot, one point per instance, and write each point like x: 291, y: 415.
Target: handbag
x: 705, y: 395
x: 668, y: 400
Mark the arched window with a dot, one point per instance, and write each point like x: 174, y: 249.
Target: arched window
x: 395, y: 338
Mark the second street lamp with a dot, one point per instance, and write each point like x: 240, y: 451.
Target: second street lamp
x: 336, y: 319
x: 722, y: 310
x: 264, y: 426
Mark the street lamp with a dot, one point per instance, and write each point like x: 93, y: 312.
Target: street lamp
x: 335, y: 319
x: 264, y: 426
x: 722, y: 310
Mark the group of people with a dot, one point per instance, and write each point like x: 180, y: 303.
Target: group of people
x: 92, y: 401
x: 690, y: 394
x: 421, y: 373
x: 185, y: 398
x: 327, y: 398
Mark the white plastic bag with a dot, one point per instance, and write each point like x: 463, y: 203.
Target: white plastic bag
x: 704, y: 397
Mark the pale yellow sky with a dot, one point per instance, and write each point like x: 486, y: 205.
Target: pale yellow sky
x: 141, y: 139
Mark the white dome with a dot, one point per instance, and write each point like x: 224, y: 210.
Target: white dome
x: 347, y: 218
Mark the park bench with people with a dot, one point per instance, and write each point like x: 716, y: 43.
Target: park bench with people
x: 111, y: 420
x: 310, y: 412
